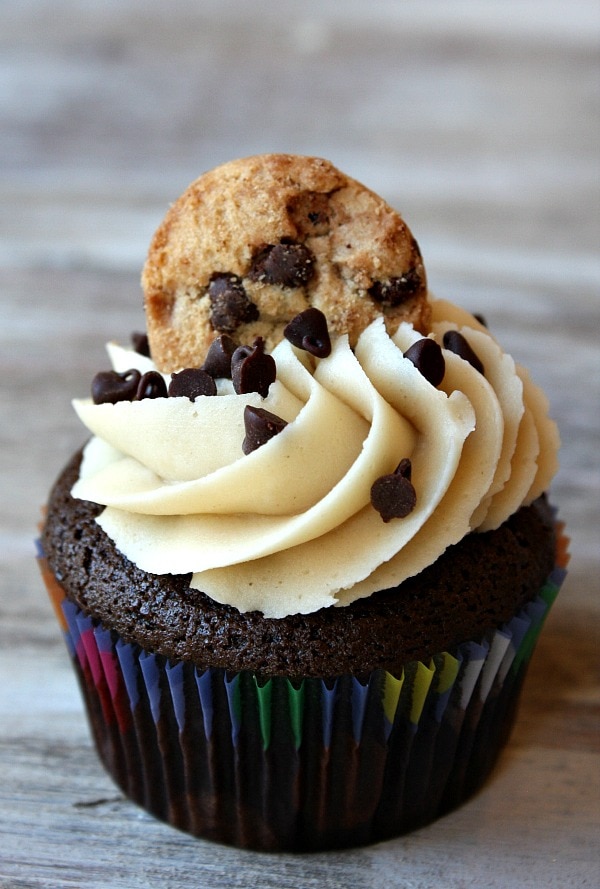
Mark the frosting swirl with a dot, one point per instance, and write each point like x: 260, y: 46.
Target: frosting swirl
x: 290, y: 527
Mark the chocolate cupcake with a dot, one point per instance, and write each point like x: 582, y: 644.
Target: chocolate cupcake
x: 303, y: 560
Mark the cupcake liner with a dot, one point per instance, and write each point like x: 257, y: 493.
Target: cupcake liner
x: 300, y: 766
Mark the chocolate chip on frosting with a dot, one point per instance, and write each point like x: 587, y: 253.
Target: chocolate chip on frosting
x: 252, y: 370
x: 308, y: 331
x: 261, y: 426
x: 151, y: 385
x: 218, y: 358
x: 109, y: 387
x: 395, y: 291
x: 456, y: 342
x: 287, y: 264
x: 230, y: 305
x: 140, y: 343
x: 393, y: 496
x: 191, y: 382
x: 427, y: 357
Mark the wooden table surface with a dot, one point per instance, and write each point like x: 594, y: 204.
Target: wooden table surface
x: 480, y: 122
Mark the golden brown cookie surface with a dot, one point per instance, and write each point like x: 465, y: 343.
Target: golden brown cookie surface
x: 254, y: 242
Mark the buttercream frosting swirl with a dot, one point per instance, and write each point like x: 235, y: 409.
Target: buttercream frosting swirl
x: 290, y: 527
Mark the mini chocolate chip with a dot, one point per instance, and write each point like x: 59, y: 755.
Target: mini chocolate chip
x: 397, y: 290
x: 456, y: 342
x: 252, y: 370
x: 308, y: 331
x: 230, y: 305
x: 287, y: 264
x: 480, y: 318
x: 218, y: 358
x: 427, y: 357
x: 191, y: 382
x: 151, y: 385
x: 261, y: 426
x: 108, y: 386
x: 404, y: 468
x: 140, y: 343
x: 393, y: 496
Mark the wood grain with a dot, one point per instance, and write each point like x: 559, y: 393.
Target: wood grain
x: 480, y: 123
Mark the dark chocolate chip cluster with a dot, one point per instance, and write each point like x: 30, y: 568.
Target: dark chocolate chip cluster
x: 287, y: 264
x: 110, y: 387
x: 250, y: 369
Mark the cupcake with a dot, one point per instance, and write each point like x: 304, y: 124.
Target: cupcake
x: 302, y: 562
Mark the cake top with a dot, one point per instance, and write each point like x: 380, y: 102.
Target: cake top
x: 312, y: 426
x: 478, y: 584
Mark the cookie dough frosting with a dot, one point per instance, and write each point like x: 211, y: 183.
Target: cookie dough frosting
x: 358, y: 451
x: 291, y: 526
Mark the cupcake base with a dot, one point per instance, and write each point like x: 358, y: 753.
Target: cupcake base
x: 305, y: 766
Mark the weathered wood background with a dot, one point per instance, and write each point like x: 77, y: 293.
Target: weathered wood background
x: 480, y: 122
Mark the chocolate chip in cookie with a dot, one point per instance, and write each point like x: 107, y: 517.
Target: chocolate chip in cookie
x: 230, y: 306
x: 286, y: 264
x: 398, y: 290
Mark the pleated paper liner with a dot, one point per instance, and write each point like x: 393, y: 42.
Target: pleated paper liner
x: 300, y: 766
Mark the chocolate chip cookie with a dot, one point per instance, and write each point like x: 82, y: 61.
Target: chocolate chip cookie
x: 251, y: 244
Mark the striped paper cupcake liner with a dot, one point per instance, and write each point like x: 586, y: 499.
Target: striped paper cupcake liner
x: 303, y: 765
